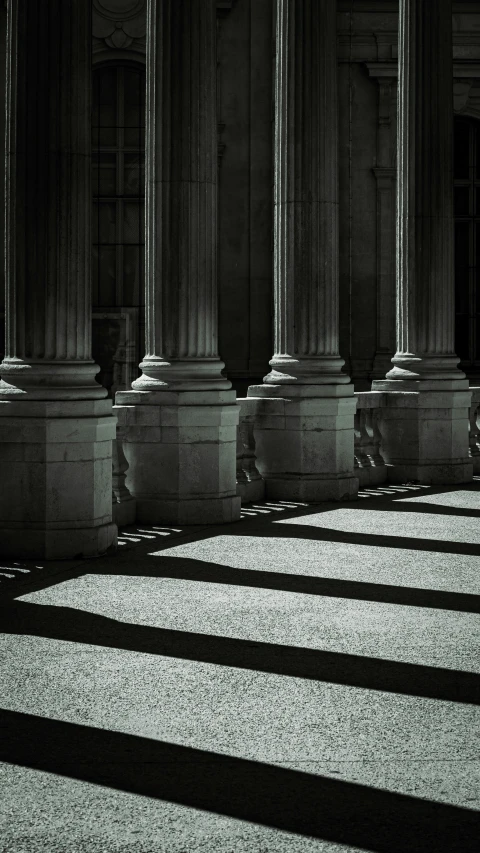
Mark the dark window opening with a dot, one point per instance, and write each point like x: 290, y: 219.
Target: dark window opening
x: 467, y: 242
x: 118, y: 154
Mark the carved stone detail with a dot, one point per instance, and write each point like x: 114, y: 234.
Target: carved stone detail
x: 466, y: 95
x: 119, y: 25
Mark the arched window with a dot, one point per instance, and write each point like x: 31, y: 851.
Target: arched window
x: 467, y: 243
x: 118, y: 154
x: 118, y: 185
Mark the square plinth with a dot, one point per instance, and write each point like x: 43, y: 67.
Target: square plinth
x: 305, y: 446
x: 181, y: 458
x: 56, y: 462
x: 425, y: 437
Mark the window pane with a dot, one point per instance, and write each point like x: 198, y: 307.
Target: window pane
x: 107, y: 275
x: 132, y: 280
x: 477, y: 339
x: 134, y: 137
x: 107, y: 97
x: 133, y: 99
x: 462, y: 336
x: 131, y: 223
x: 477, y: 152
x: 477, y: 270
x: 106, y: 137
x: 462, y: 201
x: 462, y: 301
x: 142, y: 222
x: 104, y: 174
x: 95, y: 295
x: 133, y: 175
x: 107, y: 222
x: 118, y: 220
x: 462, y: 149
x: 462, y: 245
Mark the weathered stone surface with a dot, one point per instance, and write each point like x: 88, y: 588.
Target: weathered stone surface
x: 304, y: 429
x: 181, y: 417
x: 305, y: 446
x: 56, y: 427
x: 428, y: 440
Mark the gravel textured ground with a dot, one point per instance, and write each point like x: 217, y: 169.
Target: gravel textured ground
x: 306, y: 679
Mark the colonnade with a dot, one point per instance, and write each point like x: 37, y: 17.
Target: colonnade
x: 179, y: 420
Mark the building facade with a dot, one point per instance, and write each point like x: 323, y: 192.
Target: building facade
x: 265, y: 200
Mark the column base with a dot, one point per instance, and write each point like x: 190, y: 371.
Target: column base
x: 305, y: 442
x: 425, y: 435
x: 56, y: 463
x: 181, y: 451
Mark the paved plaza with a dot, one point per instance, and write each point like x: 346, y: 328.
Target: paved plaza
x: 305, y: 679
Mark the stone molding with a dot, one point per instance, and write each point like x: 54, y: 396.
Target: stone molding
x: 122, y: 24
x: 119, y: 25
x: 368, y: 32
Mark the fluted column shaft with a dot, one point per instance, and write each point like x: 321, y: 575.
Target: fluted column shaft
x: 425, y: 280
x: 306, y: 196
x: 181, y: 198
x: 48, y: 202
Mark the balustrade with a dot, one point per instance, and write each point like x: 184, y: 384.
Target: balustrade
x: 123, y: 502
x: 474, y: 431
x: 370, y: 466
x: 250, y: 485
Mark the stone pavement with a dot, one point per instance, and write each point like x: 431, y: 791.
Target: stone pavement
x: 303, y: 680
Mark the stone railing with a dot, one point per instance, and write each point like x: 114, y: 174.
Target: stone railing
x: 123, y: 503
x: 474, y: 432
x: 370, y: 466
x: 250, y: 485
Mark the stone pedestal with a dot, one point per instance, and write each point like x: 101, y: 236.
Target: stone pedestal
x: 305, y: 444
x: 56, y: 427
x: 305, y: 409
x: 56, y: 463
x: 424, y: 437
x: 425, y: 428
x: 181, y: 416
x: 181, y: 454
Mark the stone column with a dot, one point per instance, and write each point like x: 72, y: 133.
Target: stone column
x: 425, y: 425
x: 180, y: 438
x: 306, y: 407
x: 56, y: 428
x: 385, y: 175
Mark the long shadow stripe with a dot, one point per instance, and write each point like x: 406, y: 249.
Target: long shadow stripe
x: 196, y: 570
x: 273, y: 796
x: 396, y: 505
x: 65, y: 623
x: 279, y: 529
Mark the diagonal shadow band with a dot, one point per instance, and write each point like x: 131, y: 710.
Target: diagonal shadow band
x: 399, y: 504
x: 65, y: 623
x: 270, y: 795
x: 185, y: 568
x: 285, y: 530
